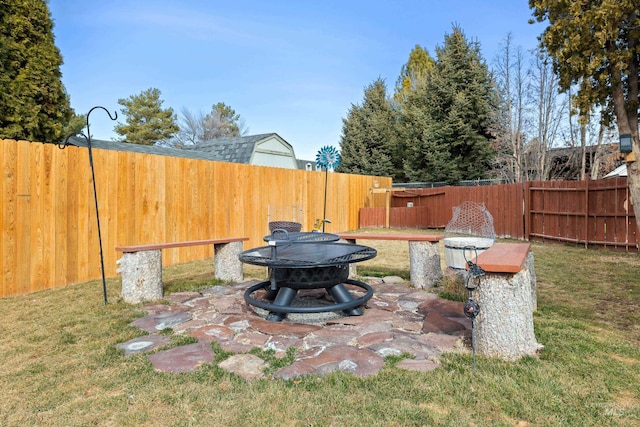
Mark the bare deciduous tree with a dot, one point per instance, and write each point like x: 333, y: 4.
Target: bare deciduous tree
x: 221, y: 122
x: 512, y: 80
x: 551, y: 109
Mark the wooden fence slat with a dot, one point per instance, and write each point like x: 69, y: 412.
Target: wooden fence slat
x: 23, y: 217
x: 78, y: 202
x: 48, y: 215
x: 60, y: 173
x: 36, y: 171
x: 8, y: 220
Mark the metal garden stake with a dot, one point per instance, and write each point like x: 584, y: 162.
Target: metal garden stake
x: 327, y: 157
x: 87, y: 137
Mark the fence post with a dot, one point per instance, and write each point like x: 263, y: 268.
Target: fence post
x: 586, y: 211
x: 527, y: 209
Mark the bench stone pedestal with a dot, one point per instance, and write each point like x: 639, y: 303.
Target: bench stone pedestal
x: 504, y: 326
x: 424, y: 259
x: 507, y: 299
x: 141, y: 276
x: 226, y: 263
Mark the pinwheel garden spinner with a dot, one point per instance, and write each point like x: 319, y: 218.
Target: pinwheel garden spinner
x: 329, y: 158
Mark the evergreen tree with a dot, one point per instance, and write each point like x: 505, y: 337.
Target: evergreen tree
x: 75, y: 125
x: 414, y: 73
x: 146, y: 121
x: 222, y: 122
x: 426, y: 159
x: 33, y: 102
x: 456, y: 110
x: 368, y: 137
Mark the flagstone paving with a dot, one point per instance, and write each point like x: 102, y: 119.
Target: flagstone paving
x: 398, y: 320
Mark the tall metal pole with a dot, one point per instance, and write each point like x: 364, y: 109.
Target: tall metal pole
x: 326, y: 180
x: 327, y: 157
x: 95, y: 193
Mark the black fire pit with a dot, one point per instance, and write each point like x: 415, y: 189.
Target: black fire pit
x: 306, y: 261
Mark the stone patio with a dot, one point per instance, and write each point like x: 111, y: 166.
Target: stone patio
x: 397, y: 320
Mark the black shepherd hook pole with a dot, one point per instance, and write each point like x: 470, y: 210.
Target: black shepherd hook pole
x: 87, y: 137
x: 326, y: 180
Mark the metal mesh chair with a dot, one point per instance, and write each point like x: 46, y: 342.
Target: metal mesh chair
x: 469, y: 233
x: 471, y: 219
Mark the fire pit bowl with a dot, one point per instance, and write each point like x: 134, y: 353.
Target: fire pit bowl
x: 312, y: 278
x: 307, y: 265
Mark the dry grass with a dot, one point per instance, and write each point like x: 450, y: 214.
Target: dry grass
x: 59, y: 365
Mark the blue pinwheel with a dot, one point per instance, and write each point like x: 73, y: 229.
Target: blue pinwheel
x: 328, y: 157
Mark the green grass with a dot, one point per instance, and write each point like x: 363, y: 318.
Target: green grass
x: 59, y: 365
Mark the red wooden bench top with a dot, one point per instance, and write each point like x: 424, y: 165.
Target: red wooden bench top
x: 153, y: 247
x: 504, y: 257
x: 408, y: 237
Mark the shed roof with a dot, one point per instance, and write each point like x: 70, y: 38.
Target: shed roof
x: 139, y: 148
x: 237, y: 149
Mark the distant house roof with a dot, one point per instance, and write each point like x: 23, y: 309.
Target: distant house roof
x: 139, y: 148
x: 267, y: 149
x: 302, y: 164
x: 237, y: 150
x: 617, y: 172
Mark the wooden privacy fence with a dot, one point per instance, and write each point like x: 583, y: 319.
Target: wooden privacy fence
x: 432, y: 207
x: 48, y: 225
x: 588, y: 212
x: 595, y: 213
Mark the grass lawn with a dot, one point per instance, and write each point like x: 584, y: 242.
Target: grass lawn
x: 59, y: 365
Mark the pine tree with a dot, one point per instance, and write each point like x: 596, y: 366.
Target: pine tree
x: 426, y: 159
x: 414, y: 73
x: 222, y: 122
x: 33, y: 102
x: 368, y: 137
x: 457, y: 105
x: 146, y: 121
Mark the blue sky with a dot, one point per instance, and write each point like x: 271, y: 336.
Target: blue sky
x: 293, y: 68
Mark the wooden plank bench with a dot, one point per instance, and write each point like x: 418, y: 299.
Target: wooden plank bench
x: 141, y: 266
x: 424, y: 255
x: 504, y: 257
x: 507, y: 299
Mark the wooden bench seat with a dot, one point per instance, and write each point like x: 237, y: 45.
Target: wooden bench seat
x: 424, y: 255
x: 407, y: 237
x: 504, y: 257
x: 141, y: 266
x: 138, y: 248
